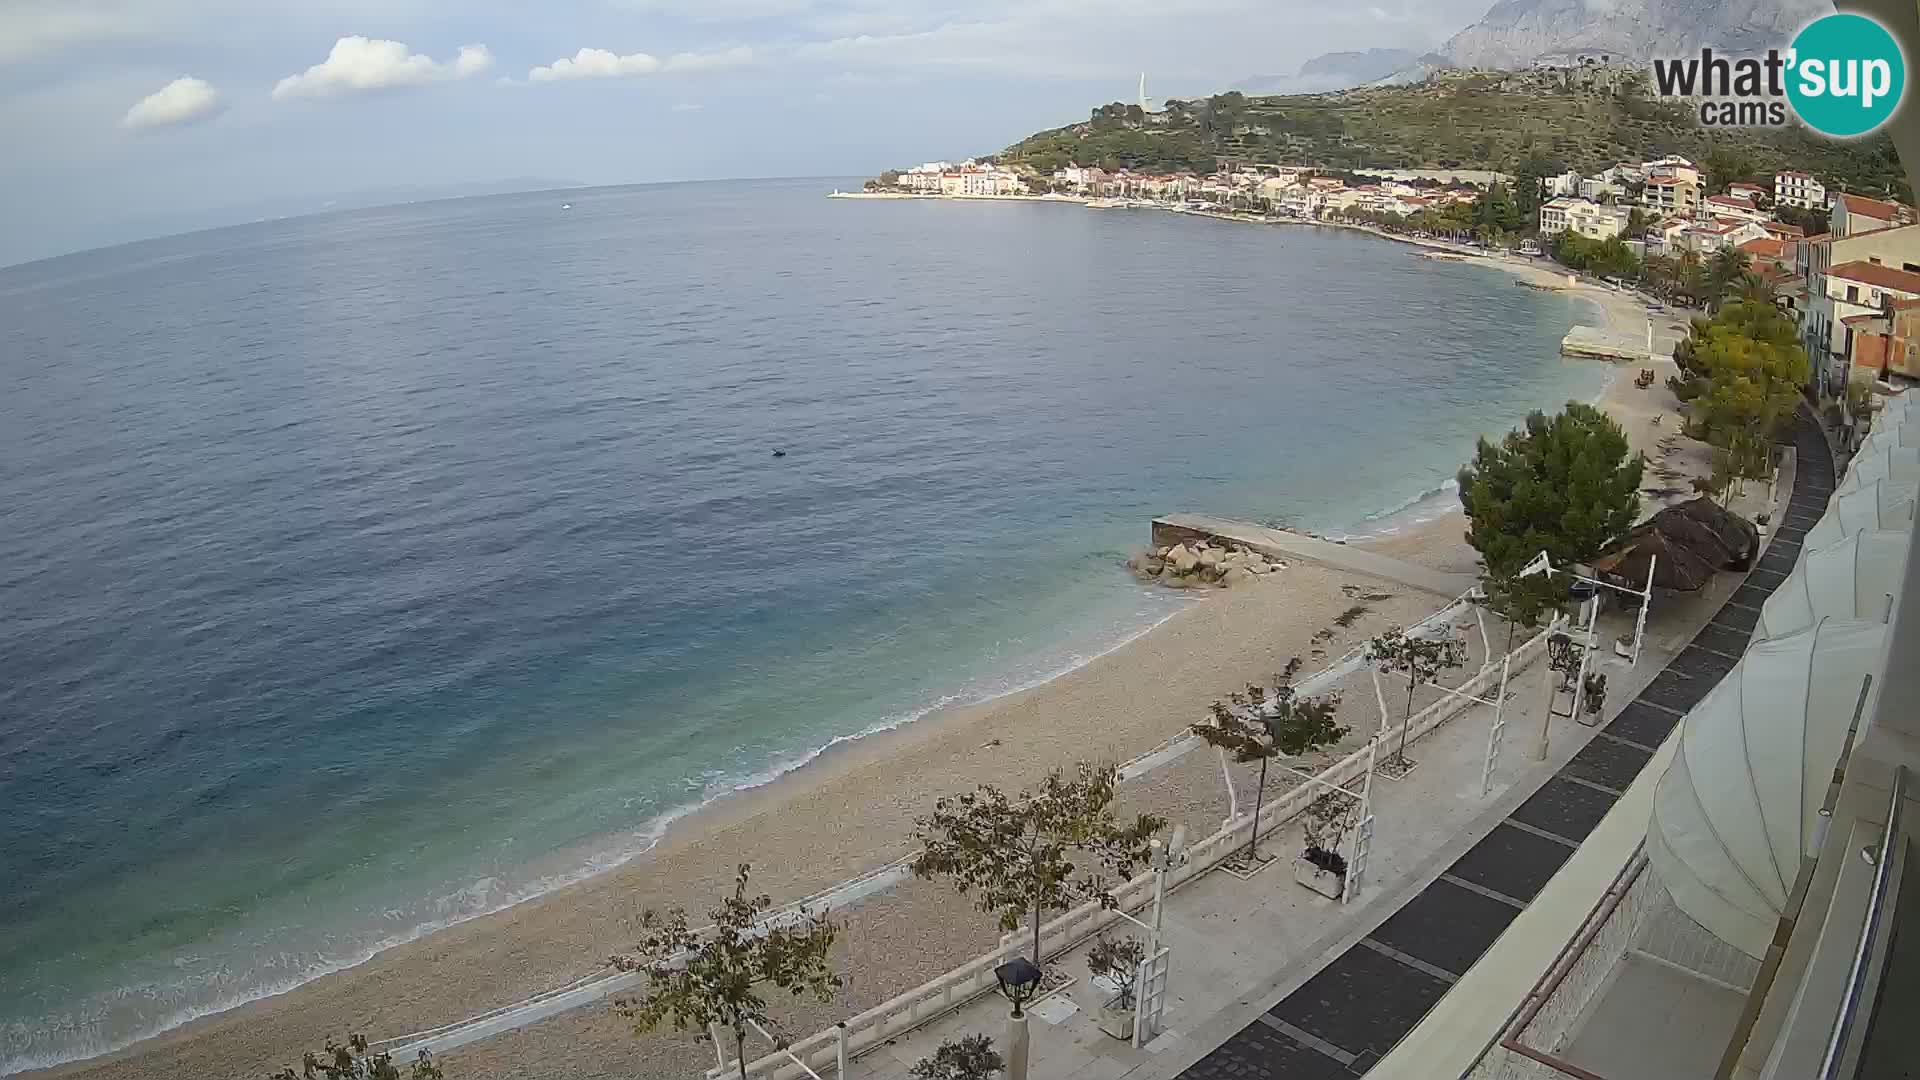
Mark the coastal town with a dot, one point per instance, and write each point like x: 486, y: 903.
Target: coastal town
x: 1845, y: 266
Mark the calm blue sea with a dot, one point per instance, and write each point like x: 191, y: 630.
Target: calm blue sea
x: 364, y: 573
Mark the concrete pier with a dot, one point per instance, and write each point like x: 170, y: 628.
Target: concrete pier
x: 1278, y: 543
x: 1606, y: 343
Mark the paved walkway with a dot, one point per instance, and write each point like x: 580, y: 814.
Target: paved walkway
x: 1351, y: 1013
x: 1270, y: 982
x: 1291, y: 545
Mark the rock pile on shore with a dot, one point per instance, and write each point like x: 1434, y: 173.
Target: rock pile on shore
x: 1200, y: 563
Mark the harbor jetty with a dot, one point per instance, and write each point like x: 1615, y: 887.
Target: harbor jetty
x: 1609, y: 343
x: 1282, y: 544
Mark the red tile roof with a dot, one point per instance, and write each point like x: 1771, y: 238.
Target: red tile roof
x: 1882, y: 277
x: 1765, y: 247
x: 1873, y: 208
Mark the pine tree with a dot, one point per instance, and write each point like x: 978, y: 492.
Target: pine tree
x: 1564, y: 485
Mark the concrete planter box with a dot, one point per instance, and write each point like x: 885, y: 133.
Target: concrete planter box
x: 1325, y: 882
x: 1117, y: 1020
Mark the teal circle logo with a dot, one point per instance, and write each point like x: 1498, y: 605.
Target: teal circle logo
x: 1846, y: 75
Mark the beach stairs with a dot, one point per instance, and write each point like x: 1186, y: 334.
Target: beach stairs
x: 1281, y: 544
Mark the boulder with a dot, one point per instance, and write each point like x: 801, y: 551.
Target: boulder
x: 1176, y: 581
x: 1237, y: 576
x: 1258, y: 566
x: 1209, y: 558
x: 1182, y: 559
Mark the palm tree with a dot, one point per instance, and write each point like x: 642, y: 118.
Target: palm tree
x: 1752, y: 288
x: 1724, y: 274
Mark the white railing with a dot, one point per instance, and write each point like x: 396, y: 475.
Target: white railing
x: 945, y: 993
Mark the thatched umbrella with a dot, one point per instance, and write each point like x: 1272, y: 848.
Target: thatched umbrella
x: 1691, y: 532
x: 1735, y: 533
x: 1680, y: 565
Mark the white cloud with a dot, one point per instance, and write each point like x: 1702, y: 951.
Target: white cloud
x: 473, y: 60
x: 182, y: 101
x: 595, y: 64
x: 713, y: 61
x: 357, y: 63
x: 605, y: 64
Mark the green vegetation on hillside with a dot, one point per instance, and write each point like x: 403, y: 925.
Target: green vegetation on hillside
x: 1475, y: 120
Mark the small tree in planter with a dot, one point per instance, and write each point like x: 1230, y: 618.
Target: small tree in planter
x: 1594, y: 693
x: 1517, y: 600
x: 1324, y: 824
x: 1254, y: 729
x: 1117, y: 963
x: 1015, y: 856
x: 970, y: 1057
x: 725, y: 968
x: 1563, y: 658
x: 354, y: 1060
x: 1420, y: 660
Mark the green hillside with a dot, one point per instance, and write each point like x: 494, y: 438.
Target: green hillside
x: 1477, y: 120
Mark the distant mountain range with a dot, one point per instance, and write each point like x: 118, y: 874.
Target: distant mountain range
x: 1520, y: 33
x: 1334, y: 71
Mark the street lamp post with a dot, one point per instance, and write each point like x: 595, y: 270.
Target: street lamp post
x: 1019, y: 980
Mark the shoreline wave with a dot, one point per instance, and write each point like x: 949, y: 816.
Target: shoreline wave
x: 602, y: 860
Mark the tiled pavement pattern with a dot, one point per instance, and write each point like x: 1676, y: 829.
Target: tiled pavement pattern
x: 1350, y: 1014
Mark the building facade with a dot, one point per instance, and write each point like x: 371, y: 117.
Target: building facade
x: 1815, y: 257
x: 1672, y: 191
x: 1791, y: 188
x: 1588, y: 219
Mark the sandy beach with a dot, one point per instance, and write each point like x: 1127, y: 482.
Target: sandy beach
x: 853, y: 809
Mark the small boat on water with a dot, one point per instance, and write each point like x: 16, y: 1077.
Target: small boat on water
x: 566, y: 206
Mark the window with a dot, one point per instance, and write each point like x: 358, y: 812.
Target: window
x: 1853, y: 294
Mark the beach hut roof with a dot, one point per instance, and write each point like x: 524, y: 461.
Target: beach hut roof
x: 1738, y: 806
x: 1680, y: 565
x: 1877, y: 505
x: 1735, y: 533
x: 1853, y: 579
x: 1687, y: 530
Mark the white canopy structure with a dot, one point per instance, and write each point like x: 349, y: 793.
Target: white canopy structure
x: 1900, y: 464
x: 1896, y: 407
x: 1854, y: 579
x: 1891, y: 433
x: 1878, y: 505
x: 1738, y: 807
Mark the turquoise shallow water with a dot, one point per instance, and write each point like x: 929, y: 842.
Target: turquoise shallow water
x: 365, y: 573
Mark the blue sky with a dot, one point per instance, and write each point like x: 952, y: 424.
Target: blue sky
x: 121, y: 116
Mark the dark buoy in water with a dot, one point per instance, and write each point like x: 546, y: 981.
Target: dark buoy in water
x: 779, y: 453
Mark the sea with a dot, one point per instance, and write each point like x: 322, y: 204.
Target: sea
x: 365, y: 573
